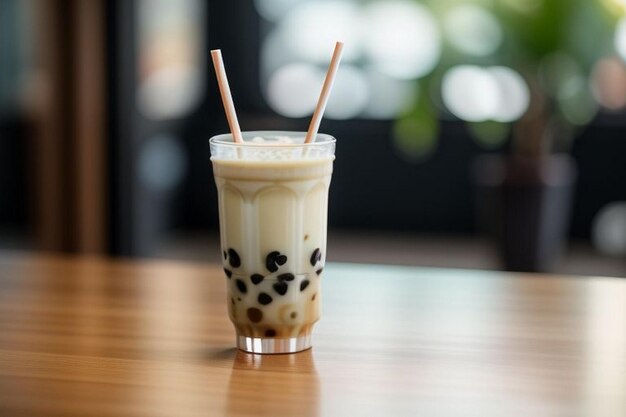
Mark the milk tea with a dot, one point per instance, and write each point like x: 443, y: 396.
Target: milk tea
x: 273, y: 205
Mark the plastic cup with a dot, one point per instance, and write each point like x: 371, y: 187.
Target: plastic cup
x: 273, y: 205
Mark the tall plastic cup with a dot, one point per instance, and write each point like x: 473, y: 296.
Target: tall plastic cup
x: 273, y: 205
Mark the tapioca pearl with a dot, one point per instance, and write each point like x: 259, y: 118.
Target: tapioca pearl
x: 306, y: 237
x: 286, y: 277
x: 254, y: 314
x: 270, y: 333
x: 243, y: 288
x: 264, y: 299
x: 233, y: 258
x: 228, y: 273
x: 319, y: 271
x: 315, y: 256
x: 281, y: 260
x: 280, y: 287
x: 313, y: 297
x: 256, y: 278
x: 293, y: 315
x: 225, y: 255
x: 304, y: 284
x: 270, y: 261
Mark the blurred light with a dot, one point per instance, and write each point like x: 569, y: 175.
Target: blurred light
x: 311, y: 30
x: 169, y: 92
x: 350, y: 93
x: 609, y: 229
x: 470, y: 93
x: 171, y: 57
x: 476, y: 94
x: 514, y: 96
x: 490, y: 134
x: 293, y: 90
x: 608, y: 81
x: 473, y: 30
x: 576, y: 101
x: 620, y: 38
x: 564, y: 80
x: 524, y: 6
x: 274, y: 10
x: 389, y: 97
x: 616, y: 6
x: 273, y: 56
x: 555, y: 69
x: 162, y: 163
x: 570, y: 87
x: 415, y: 137
x: 401, y: 38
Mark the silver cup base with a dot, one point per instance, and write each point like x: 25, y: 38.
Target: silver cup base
x: 271, y: 345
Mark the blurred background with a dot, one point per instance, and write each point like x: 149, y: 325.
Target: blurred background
x: 479, y: 134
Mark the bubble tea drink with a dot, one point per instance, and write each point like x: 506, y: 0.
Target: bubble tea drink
x: 273, y: 204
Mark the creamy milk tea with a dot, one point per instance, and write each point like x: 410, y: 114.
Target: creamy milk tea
x: 273, y: 205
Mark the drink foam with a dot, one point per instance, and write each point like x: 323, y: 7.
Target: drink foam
x: 277, y: 140
x: 272, y: 148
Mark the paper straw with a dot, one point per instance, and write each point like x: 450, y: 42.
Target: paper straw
x: 323, y: 100
x: 227, y: 98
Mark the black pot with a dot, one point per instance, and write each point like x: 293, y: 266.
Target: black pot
x: 525, y: 204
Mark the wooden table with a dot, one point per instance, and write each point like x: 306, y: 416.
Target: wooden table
x: 92, y: 337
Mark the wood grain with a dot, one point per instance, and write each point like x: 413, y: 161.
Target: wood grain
x: 89, y: 336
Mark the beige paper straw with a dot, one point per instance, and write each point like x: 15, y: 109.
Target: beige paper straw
x: 323, y: 100
x: 227, y: 98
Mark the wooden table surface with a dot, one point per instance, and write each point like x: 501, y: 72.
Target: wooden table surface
x: 93, y: 337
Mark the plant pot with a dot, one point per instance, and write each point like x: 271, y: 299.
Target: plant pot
x: 524, y: 204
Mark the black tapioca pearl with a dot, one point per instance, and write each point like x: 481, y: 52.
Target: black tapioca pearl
x: 233, y: 258
x: 304, y: 284
x: 306, y: 237
x: 243, y: 288
x: 313, y: 298
x: 228, y: 272
x: 270, y: 261
x: 319, y: 271
x: 286, y: 277
x: 293, y: 315
x: 280, y: 287
x: 281, y: 260
x: 270, y: 333
x: 254, y: 314
x: 256, y: 278
x: 316, y: 256
x: 225, y: 255
x: 264, y: 299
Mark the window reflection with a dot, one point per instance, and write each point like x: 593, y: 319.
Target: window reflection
x: 389, y: 44
x: 171, y: 57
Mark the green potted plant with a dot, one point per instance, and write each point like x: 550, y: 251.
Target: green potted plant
x: 540, y: 54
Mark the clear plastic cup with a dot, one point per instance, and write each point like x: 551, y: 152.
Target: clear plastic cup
x: 273, y: 205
